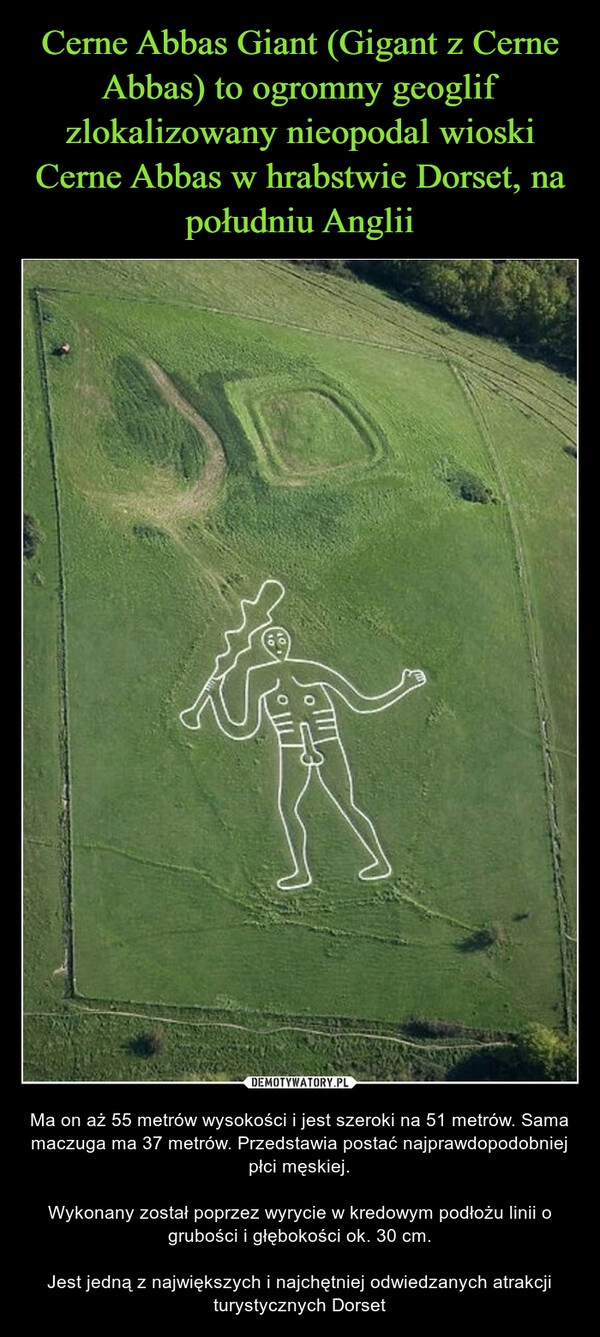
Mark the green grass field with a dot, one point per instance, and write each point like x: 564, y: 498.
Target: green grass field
x: 217, y: 423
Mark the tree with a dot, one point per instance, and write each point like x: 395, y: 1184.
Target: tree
x: 546, y: 1055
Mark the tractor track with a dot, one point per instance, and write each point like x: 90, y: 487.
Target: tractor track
x: 442, y: 349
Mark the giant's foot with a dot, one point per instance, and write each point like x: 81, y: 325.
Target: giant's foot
x: 295, y: 881
x: 374, y: 872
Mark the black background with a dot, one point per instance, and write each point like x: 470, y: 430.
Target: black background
x: 397, y: 1178
x: 60, y: 91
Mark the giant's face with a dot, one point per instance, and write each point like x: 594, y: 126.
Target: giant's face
x: 277, y: 642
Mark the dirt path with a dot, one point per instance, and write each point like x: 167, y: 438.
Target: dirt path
x: 434, y: 1047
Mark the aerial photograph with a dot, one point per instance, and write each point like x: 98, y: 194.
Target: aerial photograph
x: 299, y: 586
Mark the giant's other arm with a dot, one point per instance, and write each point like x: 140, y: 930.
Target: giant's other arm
x: 258, y: 683
x: 357, y: 701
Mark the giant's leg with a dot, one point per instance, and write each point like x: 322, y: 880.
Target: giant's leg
x: 294, y: 778
x: 336, y: 780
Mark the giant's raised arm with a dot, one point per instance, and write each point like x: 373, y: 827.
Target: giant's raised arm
x: 357, y: 701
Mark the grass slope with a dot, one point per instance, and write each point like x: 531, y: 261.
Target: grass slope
x: 216, y: 424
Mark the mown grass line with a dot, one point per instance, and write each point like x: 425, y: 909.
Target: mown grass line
x: 437, y: 349
x: 493, y: 367
x: 65, y: 816
x: 543, y: 712
x: 454, y: 332
x: 533, y: 407
x: 230, y: 312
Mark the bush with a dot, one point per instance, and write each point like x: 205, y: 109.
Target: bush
x: 149, y: 1044
x: 32, y: 536
x: 485, y: 938
x: 150, y: 534
x: 468, y: 487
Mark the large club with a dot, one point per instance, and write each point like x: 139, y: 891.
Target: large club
x: 256, y: 613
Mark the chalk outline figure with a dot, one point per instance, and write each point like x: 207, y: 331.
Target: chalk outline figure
x: 297, y: 703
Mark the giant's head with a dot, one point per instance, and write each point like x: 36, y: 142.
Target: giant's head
x: 277, y: 642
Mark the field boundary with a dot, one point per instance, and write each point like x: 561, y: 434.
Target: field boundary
x: 543, y: 712
x: 65, y: 821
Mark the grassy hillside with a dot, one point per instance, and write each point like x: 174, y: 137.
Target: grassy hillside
x: 214, y: 424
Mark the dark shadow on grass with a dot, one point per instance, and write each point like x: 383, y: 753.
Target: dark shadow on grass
x: 422, y: 1028
x: 487, y: 1065
x: 147, y: 1045
x: 484, y: 939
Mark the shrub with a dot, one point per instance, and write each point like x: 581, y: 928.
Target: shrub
x: 485, y: 938
x: 150, y: 534
x: 468, y: 487
x: 32, y: 536
x: 149, y: 1044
